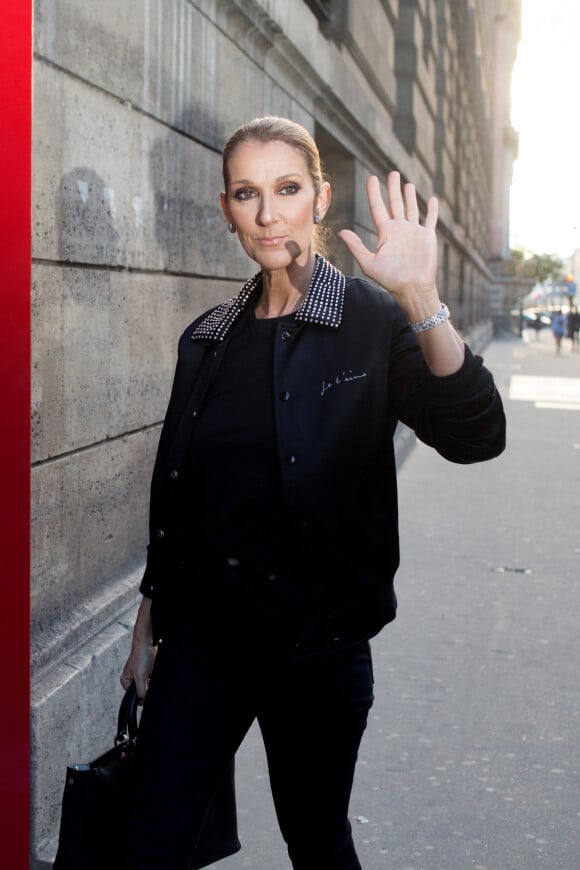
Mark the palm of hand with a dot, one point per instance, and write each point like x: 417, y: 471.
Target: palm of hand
x: 405, y: 258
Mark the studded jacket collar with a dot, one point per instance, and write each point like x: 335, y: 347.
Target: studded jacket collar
x: 322, y: 305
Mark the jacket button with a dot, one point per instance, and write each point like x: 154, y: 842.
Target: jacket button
x: 291, y: 459
x: 285, y: 335
x: 174, y: 474
x: 284, y: 396
x: 160, y: 533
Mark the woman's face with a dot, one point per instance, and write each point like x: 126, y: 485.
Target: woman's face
x: 271, y: 201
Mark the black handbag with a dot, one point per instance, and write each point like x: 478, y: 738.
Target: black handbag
x: 96, y: 798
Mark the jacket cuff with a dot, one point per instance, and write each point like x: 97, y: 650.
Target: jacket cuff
x: 148, y: 582
x: 146, y: 587
x: 469, y: 380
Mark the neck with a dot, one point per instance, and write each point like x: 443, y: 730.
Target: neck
x: 283, y: 290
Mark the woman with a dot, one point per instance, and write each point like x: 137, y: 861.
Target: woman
x: 273, y: 505
x: 558, y: 328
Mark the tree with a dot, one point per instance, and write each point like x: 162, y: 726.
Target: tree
x: 538, y: 267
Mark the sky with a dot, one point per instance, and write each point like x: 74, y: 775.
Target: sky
x: 545, y: 193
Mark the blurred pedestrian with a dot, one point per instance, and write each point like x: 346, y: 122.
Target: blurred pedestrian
x: 558, y: 328
x: 574, y: 327
x: 536, y: 324
x: 273, y: 515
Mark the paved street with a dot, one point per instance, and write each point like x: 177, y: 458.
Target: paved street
x: 472, y: 754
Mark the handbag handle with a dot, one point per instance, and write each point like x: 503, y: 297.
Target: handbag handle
x: 127, y: 722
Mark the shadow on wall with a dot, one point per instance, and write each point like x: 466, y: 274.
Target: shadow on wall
x: 86, y: 209
x: 176, y: 223
x: 188, y: 216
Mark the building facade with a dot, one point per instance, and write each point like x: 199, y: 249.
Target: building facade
x: 133, y: 103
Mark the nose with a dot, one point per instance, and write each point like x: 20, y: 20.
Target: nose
x: 266, y: 212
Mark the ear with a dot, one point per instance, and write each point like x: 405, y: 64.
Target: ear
x: 323, y: 198
x: 225, y: 209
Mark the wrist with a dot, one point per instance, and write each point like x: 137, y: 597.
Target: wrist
x: 422, y: 306
x: 440, y: 317
x: 143, y: 629
x: 141, y: 642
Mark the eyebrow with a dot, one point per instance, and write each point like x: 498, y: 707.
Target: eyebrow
x: 280, y: 178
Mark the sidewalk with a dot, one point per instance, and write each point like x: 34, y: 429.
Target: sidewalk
x: 472, y: 754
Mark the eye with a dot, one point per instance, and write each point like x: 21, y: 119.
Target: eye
x: 243, y: 194
x: 289, y: 188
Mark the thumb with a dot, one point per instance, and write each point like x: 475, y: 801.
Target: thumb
x: 359, y: 251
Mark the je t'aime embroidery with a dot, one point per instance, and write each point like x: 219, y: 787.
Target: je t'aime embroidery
x: 344, y: 378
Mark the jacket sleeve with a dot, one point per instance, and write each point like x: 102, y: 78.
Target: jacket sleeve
x: 460, y: 415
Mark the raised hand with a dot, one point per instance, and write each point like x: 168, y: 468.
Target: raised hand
x: 405, y: 259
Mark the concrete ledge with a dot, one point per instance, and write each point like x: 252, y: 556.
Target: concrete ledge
x: 74, y: 706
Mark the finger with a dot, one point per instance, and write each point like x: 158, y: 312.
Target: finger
x: 395, y: 198
x: 377, y: 206
x: 432, y: 213
x: 126, y: 680
x: 411, y: 206
x: 359, y: 250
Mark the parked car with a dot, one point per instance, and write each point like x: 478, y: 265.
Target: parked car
x: 535, y: 320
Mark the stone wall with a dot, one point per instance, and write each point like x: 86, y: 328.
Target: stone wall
x: 133, y: 102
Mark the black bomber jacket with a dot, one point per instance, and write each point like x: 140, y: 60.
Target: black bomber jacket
x: 347, y: 368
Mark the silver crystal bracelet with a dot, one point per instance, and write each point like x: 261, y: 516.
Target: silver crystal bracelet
x: 435, y: 320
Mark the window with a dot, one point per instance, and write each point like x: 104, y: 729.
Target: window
x: 332, y: 17
x: 323, y: 9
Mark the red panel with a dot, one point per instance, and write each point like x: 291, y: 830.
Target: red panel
x: 15, y: 254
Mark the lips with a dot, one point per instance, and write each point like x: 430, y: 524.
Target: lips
x: 270, y: 240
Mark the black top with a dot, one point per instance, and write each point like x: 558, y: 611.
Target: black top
x: 239, y: 508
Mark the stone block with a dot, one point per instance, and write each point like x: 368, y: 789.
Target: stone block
x: 89, y: 522
x: 85, y: 149
x: 349, y: 94
x: 183, y: 220
x: 373, y: 35
x: 148, y: 316
x: 164, y: 57
x: 299, y: 25
x: 71, y: 359
x: 425, y: 129
x: 104, y: 351
x: 104, y: 43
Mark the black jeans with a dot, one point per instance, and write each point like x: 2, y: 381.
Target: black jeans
x: 201, y: 702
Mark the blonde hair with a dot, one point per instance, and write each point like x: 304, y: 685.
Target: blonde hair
x: 273, y: 129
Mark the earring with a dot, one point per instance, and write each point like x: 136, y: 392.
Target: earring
x: 317, y: 218
x: 231, y: 228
